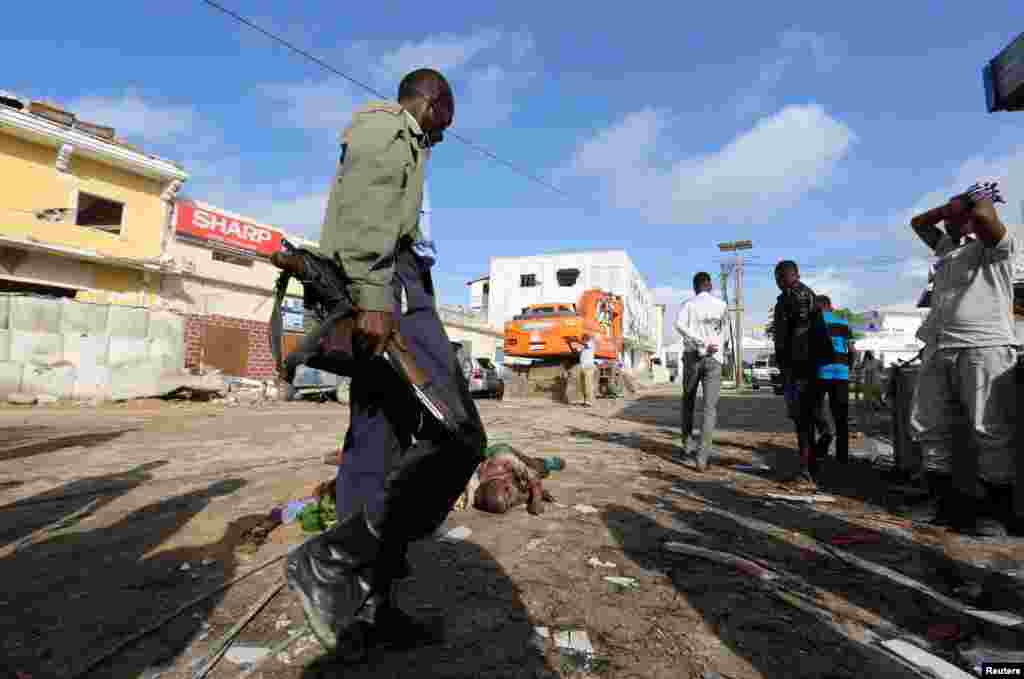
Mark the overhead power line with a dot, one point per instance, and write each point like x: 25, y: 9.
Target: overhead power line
x: 323, y: 64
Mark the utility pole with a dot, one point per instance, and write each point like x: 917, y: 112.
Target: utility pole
x: 725, y: 298
x: 737, y: 247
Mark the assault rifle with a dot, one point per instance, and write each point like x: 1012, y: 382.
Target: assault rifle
x: 329, y: 346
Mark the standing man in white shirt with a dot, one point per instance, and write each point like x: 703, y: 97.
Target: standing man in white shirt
x: 701, y: 322
x: 588, y: 368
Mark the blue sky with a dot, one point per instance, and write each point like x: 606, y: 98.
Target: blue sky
x: 814, y: 129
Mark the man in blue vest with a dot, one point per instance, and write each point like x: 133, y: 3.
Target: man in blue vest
x: 833, y: 383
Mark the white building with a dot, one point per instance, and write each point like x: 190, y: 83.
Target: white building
x: 479, y: 294
x: 891, y: 333
x: 517, y: 282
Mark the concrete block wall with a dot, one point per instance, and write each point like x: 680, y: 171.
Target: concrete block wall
x: 77, y: 350
x: 260, y: 363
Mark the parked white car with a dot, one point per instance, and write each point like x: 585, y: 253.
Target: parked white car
x: 766, y: 374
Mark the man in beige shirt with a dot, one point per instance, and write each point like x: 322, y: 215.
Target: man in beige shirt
x: 965, y: 405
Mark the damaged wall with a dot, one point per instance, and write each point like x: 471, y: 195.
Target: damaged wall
x: 73, y: 350
x: 235, y: 346
x: 33, y: 183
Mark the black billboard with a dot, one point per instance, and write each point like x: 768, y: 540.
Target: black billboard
x: 1004, y: 79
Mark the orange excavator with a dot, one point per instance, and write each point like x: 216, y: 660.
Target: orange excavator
x: 543, y: 332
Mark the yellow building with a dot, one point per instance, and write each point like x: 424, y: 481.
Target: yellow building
x: 82, y: 214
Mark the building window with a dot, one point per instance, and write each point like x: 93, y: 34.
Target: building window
x: 528, y: 280
x: 228, y: 258
x: 567, y: 277
x: 99, y: 213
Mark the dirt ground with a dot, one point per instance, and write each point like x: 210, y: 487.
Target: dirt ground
x: 169, y: 496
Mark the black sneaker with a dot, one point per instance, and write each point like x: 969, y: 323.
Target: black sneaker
x: 329, y: 573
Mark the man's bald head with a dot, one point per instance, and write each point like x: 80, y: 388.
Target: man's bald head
x: 426, y: 94
x: 424, y: 82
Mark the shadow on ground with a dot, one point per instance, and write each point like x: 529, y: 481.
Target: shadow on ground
x: 86, y: 496
x: 741, y: 412
x: 72, y: 595
x: 487, y: 629
x: 752, y: 625
x: 778, y: 642
x: 23, y: 442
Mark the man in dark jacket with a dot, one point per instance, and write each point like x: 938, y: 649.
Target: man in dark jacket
x: 794, y: 353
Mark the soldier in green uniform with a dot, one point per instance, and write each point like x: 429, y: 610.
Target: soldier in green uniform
x: 399, y: 476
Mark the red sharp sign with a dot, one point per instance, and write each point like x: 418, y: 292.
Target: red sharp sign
x: 212, y: 226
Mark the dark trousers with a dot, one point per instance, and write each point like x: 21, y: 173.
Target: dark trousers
x: 837, y: 392
x: 800, y: 387
x: 408, y: 485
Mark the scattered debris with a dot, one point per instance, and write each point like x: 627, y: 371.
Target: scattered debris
x: 586, y: 509
x: 254, y: 538
x: 751, y: 467
x: 947, y: 631
x: 860, y: 536
x: 739, y: 563
x: 457, y: 534
x: 149, y: 629
x: 283, y: 622
x: 288, y: 513
x: 625, y: 583
x: 1001, y: 618
x: 924, y: 660
x: 316, y: 514
x: 237, y: 653
x: 206, y: 563
x: 19, y: 399
x: 800, y: 498
x: 540, y: 638
x: 597, y: 563
x: 185, y: 567
x: 276, y: 650
x: 246, y: 654
x: 576, y: 645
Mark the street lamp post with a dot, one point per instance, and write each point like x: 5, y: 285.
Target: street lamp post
x: 738, y: 246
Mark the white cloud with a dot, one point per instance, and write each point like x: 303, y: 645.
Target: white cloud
x: 793, y: 47
x: 763, y: 170
x: 839, y: 285
x: 301, y: 214
x: 136, y: 118
x: 1006, y: 168
x: 487, y: 68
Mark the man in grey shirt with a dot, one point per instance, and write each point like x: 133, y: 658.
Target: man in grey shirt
x: 965, y: 404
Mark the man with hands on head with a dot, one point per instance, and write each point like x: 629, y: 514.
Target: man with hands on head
x: 965, y: 405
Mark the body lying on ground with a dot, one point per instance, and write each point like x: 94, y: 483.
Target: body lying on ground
x: 508, y: 479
